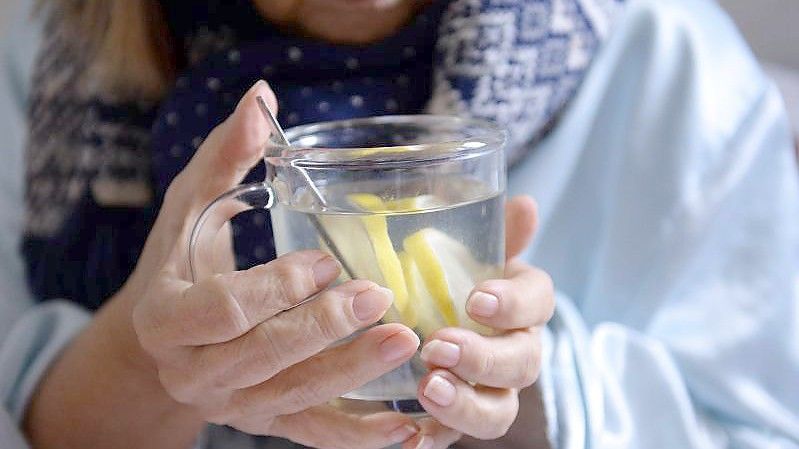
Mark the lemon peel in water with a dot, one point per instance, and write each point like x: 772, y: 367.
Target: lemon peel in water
x: 449, y: 272
x: 387, y: 259
x: 431, y: 277
x: 433, y: 274
x: 428, y: 320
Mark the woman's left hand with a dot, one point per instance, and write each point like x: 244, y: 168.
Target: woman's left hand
x: 475, y: 380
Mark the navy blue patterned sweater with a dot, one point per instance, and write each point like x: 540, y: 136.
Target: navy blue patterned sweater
x: 97, y: 170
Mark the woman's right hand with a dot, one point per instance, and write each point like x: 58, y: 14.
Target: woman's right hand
x: 228, y: 348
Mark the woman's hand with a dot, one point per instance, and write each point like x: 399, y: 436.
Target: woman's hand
x: 475, y: 380
x: 227, y: 346
x: 164, y: 355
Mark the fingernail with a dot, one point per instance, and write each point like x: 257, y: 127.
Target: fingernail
x: 483, y: 304
x: 425, y: 442
x: 440, y: 391
x: 370, y: 304
x: 251, y: 89
x: 325, y: 270
x: 398, y: 346
x: 441, y: 353
x: 402, y: 433
x: 257, y: 85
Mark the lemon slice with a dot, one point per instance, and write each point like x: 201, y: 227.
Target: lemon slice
x: 414, y: 203
x: 367, y: 201
x: 449, y: 272
x: 351, y: 239
x: 374, y: 203
x: 432, y: 270
x: 427, y: 318
x: 387, y: 261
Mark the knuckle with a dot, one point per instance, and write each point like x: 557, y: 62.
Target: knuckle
x: 269, y: 350
x: 531, y: 365
x: 145, y: 328
x: 486, y: 363
x: 501, y: 424
x: 180, y: 388
x: 351, y: 378
x: 292, y: 280
x: 327, y: 323
x: 228, y: 309
x: 240, y: 403
x: 298, y: 394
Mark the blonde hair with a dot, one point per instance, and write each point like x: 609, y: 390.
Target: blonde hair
x: 126, y: 42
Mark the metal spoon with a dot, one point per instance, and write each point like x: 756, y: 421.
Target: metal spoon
x: 283, y: 140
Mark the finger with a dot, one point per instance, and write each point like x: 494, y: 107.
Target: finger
x: 510, y: 360
x: 482, y: 412
x: 432, y: 435
x: 228, y: 153
x: 521, y: 219
x: 329, y: 374
x: 525, y: 298
x: 326, y: 427
x: 276, y: 344
x: 223, y: 307
x: 221, y: 162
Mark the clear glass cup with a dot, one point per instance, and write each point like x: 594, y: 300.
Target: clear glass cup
x: 414, y: 203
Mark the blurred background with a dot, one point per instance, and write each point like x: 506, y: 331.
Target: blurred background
x: 770, y: 26
x: 772, y: 29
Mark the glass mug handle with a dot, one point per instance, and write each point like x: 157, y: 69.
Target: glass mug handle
x: 240, y: 199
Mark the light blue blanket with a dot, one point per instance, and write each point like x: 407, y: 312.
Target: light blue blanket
x: 670, y: 222
x: 18, y: 44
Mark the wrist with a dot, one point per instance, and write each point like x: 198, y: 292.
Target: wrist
x: 104, y: 391
x: 115, y: 322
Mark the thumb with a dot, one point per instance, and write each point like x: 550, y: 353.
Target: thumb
x: 221, y: 162
x: 229, y: 152
x: 521, y: 219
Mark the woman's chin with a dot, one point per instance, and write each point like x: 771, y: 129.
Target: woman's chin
x: 373, y: 4
x: 360, y: 5
x: 354, y: 22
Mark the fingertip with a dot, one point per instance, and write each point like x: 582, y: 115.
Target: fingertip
x: 250, y: 129
x: 525, y: 205
x: 403, y: 433
x: 420, y: 441
x: 395, y: 342
x: 521, y: 221
x: 260, y: 89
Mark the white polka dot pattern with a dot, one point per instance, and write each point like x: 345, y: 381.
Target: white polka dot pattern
x: 213, y: 84
x: 356, y: 101
x: 294, y: 54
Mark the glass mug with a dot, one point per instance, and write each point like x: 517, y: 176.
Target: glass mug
x: 413, y: 203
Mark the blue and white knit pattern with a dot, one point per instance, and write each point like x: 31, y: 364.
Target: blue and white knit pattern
x: 516, y: 62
